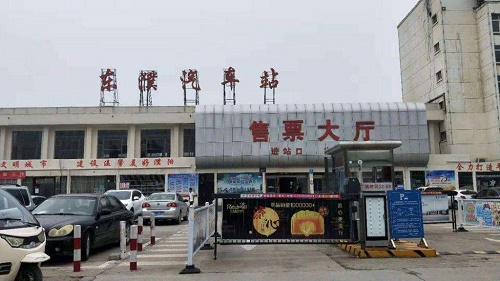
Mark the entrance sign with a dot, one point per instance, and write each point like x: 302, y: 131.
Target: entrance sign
x: 405, y: 214
x: 285, y: 220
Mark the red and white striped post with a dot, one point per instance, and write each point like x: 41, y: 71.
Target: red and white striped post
x: 133, y: 247
x: 77, y: 248
x: 139, y: 233
x: 152, y: 227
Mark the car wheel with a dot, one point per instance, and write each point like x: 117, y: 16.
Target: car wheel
x: 29, y: 271
x: 86, y: 245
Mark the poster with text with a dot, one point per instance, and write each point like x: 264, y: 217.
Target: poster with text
x: 441, y: 178
x: 285, y: 218
x: 181, y: 183
x: 239, y: 183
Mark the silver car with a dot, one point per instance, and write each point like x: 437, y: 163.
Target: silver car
x: 165, y: 206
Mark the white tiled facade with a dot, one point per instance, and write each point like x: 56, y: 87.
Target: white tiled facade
x: 468, y: 89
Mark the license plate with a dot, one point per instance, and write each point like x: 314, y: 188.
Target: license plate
x: 158, y: 213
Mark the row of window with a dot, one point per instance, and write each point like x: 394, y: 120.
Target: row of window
x: 110, y: 144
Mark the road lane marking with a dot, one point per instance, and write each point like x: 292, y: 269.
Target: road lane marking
x: 163, y: 256
x: 155, y: 263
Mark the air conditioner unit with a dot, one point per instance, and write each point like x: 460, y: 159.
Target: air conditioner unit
x: 480, y: 160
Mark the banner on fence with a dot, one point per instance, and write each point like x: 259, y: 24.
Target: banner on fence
x: 296, y: 219
x: 435, y: 207
x: 481, y: 212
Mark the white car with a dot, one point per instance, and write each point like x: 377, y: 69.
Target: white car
x: 131, y: 198
x: 462, y: 194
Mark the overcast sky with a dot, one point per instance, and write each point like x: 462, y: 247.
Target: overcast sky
x: 52, y: 52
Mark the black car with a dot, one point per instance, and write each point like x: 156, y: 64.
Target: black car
x: 488, y: 193
x: 98, y: 215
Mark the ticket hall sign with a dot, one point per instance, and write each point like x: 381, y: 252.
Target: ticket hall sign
x: 297, y: 135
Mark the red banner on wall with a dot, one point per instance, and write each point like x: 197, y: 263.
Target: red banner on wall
x: 12, y: 175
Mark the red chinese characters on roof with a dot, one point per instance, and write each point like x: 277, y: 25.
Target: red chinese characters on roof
x: 328, y: 130
x: 147, y: 80
x: 190, y: 76
x: 230, y: 78
x: 108, y: 82
x: 365, y: 126
x: 266, y: 83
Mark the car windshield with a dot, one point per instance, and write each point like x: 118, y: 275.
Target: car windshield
x: 162, y: 196
x: 121, y: 195
x: 66, y: 206
x: 13, y: 214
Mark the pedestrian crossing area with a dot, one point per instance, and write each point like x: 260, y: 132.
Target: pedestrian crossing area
x: 168, y: 252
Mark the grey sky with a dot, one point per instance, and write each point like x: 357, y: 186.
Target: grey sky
x: 325, y: 51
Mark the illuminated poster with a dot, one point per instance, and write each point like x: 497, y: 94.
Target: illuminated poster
x: 286, y: 218
x: 239, y: 183
x: 181, y: 183
x: 441, y: 178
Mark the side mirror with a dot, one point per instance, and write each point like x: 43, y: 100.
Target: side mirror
x: 135, y: 198
x: 185, y: 200
x: 105, y: 212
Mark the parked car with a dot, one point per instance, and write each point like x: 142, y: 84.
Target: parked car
x: 430, y: 189
x: 21, y: 193
x: 131, y: 198
x: 166, y: 206
x: 38, y: 199
x: 98, y: 214
x: 22, y: 241
x: 488, y: 193
x: 462, y: 194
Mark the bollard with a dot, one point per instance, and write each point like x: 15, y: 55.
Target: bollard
x: 77, y: 248
x: 152, y: 227
x: 461, y: 227
x: 133, y: 247
x: 139, y: 233
x: 123, y: 240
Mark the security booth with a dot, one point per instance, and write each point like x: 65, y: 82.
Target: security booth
x: 363, y: 172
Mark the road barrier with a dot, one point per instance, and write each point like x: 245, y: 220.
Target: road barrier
x: 199, y: 232
x: 77, y: 248
x: 133, y: 247
x: 152, y: 228
x: 140, y: 221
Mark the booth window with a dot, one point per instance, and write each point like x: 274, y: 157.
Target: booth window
x: 26, y: 145
x: 495, y: 21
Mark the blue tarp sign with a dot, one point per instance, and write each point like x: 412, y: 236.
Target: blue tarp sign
x: 405, y: 214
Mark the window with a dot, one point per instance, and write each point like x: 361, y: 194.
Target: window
x: 155, y: 143
x: 189, y: 141
x: 26, y: 145
x: 69, y: 144
x: 116, y: 206
x: 112, y: 144
x: 465, y: 180
x: 495, y: 20
x: 497, y: 54
x: 437, y: 49
x: 434, y: 19
x: 439, y: 76
x: 442, y: 132
x: 417, y: 179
